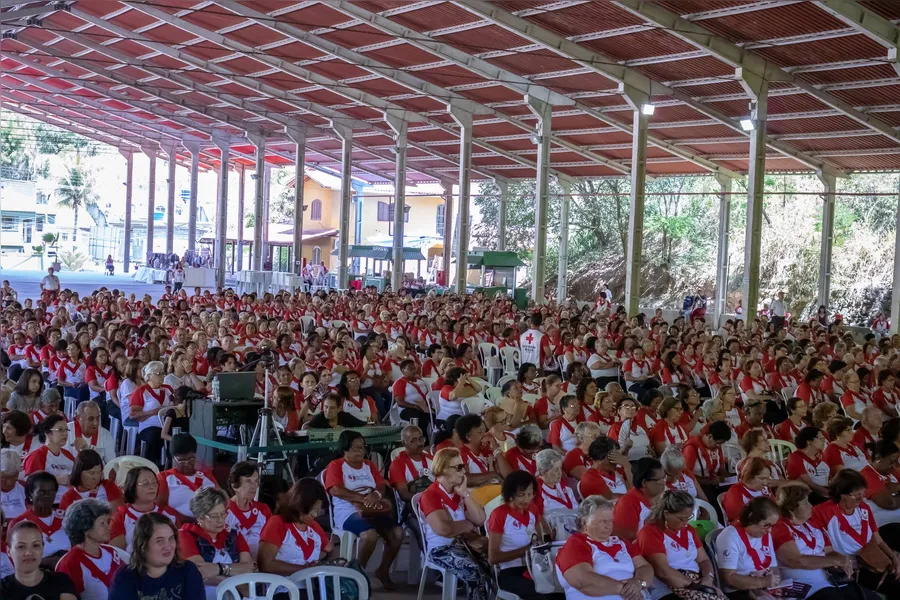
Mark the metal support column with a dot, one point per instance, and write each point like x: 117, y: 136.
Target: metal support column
x: 346, y: 135
x: 298, y: 136
x: 503, y: 186
x: 634, y: 251
x: 895, y: 293
x: 151, y: 150
x: 829, y: 183
x: 170, y: 148
x: 719, y: 303
x: 464, y: 120
x: 129, y: 185
x: 223, y: 142
x: 398, y: 126
x: 260, y: 143
x: 194, y: 149
x: 543, y: 112
x: 239, y: 244
x: 267, y: 204
x: 562, y: 274
x: 448, y: 229
x: 758, y: 89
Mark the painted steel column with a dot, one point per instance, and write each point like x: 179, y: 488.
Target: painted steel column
x: 346, y: 135
x: 543, y: 112
x: 895, y: 293
x: 562, y: 274
x: 398, y: 126
x: 242, y: 184
x: 194, y: 149
x: 260, y: 143
x: 464, y: 120
x: 504, y: 200
x: 151, y: 150
x: 170, y: 148
x: 129, y: 185
x: 758, y: 90
x: 223, y: 142
x: 829, y: 182
x: 267, y: 203
x: 448, y: 229
x: 719, y: 303
x: 635, y: 246
x: 298, y: 136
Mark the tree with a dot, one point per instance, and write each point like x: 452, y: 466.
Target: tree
x: 74, y: 190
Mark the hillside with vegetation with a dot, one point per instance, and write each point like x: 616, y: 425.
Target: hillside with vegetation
x: 681, y: 237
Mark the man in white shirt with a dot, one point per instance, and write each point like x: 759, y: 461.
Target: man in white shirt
x: 85, y: 432
x: 777, y: 311
x: 50, y: 284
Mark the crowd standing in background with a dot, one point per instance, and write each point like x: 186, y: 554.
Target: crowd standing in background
x: 513, y: 421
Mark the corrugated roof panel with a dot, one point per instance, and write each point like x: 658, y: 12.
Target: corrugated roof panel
x: 212, y: 19
x: 421, y: 104
x: 603, y: 101
x: 337, y: 69
x: 584, y: 18
x: 679, y: 112
x: 495, y: 93
x: 891, y: 118
x: 533, y: 63
x: 880, y: 71
x: 674, y: 168
x: 794, y: 103
x: 570, y: 84
x: 449, y: 76
x: 844, y: 143
x: 889, y: 9
x: 695, y: 68
x: 560, y: 124
x: 644, y: 44
x: 854, y: 47
x: 483, y: 39
x: 255, y: 35
x: 870, y: 96
x: 383, y: 87
x: 678, y: 133
x: 316, y: 16
x: 780, y: 21
x: 712, y: 89
x: 244, y: 65
x: 838, y: 123
x: 355, y: 36
x: 878, y: 162
x: 435, y: 17
x: 402, y: 55
x: 685, y: 7
x: 591, y: 171
x: 723, y: 149
x: 295, y: 52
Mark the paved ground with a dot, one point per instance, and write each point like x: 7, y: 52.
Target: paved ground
x: 27, y: 283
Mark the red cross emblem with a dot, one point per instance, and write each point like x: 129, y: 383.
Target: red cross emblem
x: 530, y: 338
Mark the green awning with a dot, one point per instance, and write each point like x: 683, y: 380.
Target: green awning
x: 382, y: 253
x: 494, y: 260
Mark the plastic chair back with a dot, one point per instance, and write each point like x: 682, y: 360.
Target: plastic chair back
x: 713, y: 516
x: 780, y: 451
x: 122, y: 464
x: 228, y: 588
x: 510, y: 358
x: 316, y: 577
x: 490, y: 506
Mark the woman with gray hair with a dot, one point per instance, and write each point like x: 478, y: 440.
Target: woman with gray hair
x: 677, y: 478
x: 595, y: 563
x: 92, y: 562
x: 552, y: 493
x: 143, y: 406
x: 12, y: 491
x: 682, y: 568
x: 528, y: 443
x: 217, y: 551
x: 577, y: 460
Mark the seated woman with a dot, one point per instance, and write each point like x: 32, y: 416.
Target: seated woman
x: 31, y: 578
x: 595, y: 563
x: 552, y: 493
x: 632, y: 430
x: 143, y: 406
x: 284, y: 410
x: 12, y: 491
x: 360, y: 506
x: 576, y: 460
x: 677, y: 476
x: 882, y: 487
x: 457, y: 386
x: 753, y: 482
x: 179, y: 484
x: 528, y: 443
x: 52, y: 457
x: 92, y: 562
x: 755, y: 443
x: 520, y: 412
x: 217, y: 551
x: 332, y: 417
x: 246, y: 514
x: 675, y: 551
x: 293, y: 539
x: 547, y: 406
x: 805, y: 552
x: 667, y: 431
x: 703, y: 454
x: 841, y: 452
x: 562, y: 429
x: 797, y: 410
x: 353, y: 402
x: 140, y: 496
x: 482, y: 466
x: 610, y: 472
x: 849, y: 522
x: 745, y: 553
x: 451, y: 515
x: 805, y: 463
x: 632, y: 509
x: 496, y: 422
x: 156, y: 569
x: 17, y: 432
x: 40, y: 494
x: 87, y: 481
x: 510, y: 529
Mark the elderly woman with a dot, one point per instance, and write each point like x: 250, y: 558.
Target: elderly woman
x: 510, y: 530
x: 632, y: 430
x: 91, y: 563
x: 668, y: 431
x: 678, y: 567
x: 841, y: 452
x: 496, y: 421
x: 805, y: 463
x: 753, y: 481
x: 246, y: 514
x: 360, y: 506
x: 677, y: 477
x: 178, y: 485
x: 155, y: 569
x: 528, y: 443
x: 552, y: 493
x: 292, y: 539
x: 40, y: 494
x: 12, y: 491
x: 594, y: 563
x: 745, y: 552
x: 217, y: 551
x: 30, y: 579
x: 513, y: 404
x: 140, y: 495
x: 610, y: 472
x: 87, y: 481
x: 483, y: 466
x: 451, y: 516
x: 576, y: 460
x: 803, y: 549
x: 143, y: 406
x: 562, y: 428
x: 632, y: 509
x: 703, y: 453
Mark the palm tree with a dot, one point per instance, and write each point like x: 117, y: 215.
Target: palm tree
x: 75, y: 190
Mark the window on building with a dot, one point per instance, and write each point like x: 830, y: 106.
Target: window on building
x: 439, y: 220
x: 315, y: 210
x: 10, y: 224
x: 43, y: 198
x: 317, y: 255
x: 39, y: 223
x: 51, y: 219
x: 386, y: 212
x: 64, y: 237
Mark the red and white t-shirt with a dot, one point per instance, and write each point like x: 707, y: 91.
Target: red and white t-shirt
x: 99, y: 375
x: 631, y: 510
x: 180, y: 488
x: 298, y: 543
x: 515, y: 528
x: 187, y: 543
x: 361, y: 407
x: 13, y: 501
x: 519, y: 462
x: 91, y: 575
x: 71, y: 372
x: 248, y: 523
x: 340, y: 473
x: 123, y: 522
x: 43, y: 459
x: 850, y: 457
x: 612, y: 558
x: 106, y: 492
x: 146, y: 398
x: 800, y: 464
x: 437, y: 498
x: 743, y: 554
x: 55, y: 539
x: 662, y: 433
x: 811, y: 541
x: 562, y: 434
x: 404, y: 468
x: 410, y: 391
x: 680, y: 548
x: 847, y: 533
x: 700, y: 460
x: 596, y: 482
x: 737, y: 497
x: 558, y: 497
x: 575, y: 458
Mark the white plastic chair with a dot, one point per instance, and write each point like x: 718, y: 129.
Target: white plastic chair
x: 476, y: 405
x: 348, y: 539
x: 449, y: 590
x: 510, y: 359
x: 506, y: 378
x: 122, y: 464
x: 491, y: 506
x: 490, y: 360
x: 530, y: 398
x: 698, y: 504
x: 337, y: 324
x: 228, y: 588
x: 780, y: 451
x: 493, y: 394
x: 316, y: 577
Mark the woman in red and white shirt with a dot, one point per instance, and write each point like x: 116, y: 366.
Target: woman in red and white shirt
x: 353, y: 402
x: 143, y: 406
x: 140, y: 493
x: 805, y: 463
x: 246, y: 514
x: 753, y: 386
x: 885, y: 396
x: 882, y: 485
x: 610, y: 472
x: 87, y: 481
x: 40, y: 494
x: 71, y: 372
x: 179, y: 484
x: 292, y: 539
x: 745, y: 552
x: 562, y: 429
x: 53, y: 456
x: 667, y: 431
x: 552, y: 493
x: 92, y: 563
x: 753, y: 482
x: 98, y: 372
x: 841, y: 452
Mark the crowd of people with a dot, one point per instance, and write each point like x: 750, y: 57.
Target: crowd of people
x: 513, y: 422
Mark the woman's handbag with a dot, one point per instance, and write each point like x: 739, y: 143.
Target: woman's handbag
x: 697, y: 590
x: 873, y: 557
x: 381, y: 508
x: 541, y: 562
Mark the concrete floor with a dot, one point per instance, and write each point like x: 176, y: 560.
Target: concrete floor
x: 27, y: 283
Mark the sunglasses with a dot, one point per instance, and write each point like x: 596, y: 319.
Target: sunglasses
x: 459, y: 468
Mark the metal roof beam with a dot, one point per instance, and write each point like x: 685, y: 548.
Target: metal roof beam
x: 863, y: 20
x: 747, y: 61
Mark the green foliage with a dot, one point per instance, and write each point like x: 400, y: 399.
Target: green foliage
x: 75, y: 189
x: 50, y: 238
x: 73, y: 260
x: 37, y: 249
x: 51, y: 140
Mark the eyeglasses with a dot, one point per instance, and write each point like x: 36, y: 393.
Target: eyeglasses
x: 186, y: 461
x: 459, y: 468
x: 58, y: 430
x: 215, y: 517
